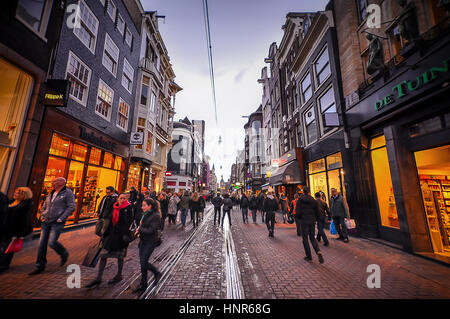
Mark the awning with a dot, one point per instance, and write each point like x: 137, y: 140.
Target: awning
x: 286, y: 174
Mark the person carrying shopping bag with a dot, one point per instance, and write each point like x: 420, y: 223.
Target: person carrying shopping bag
x: 17, y: 225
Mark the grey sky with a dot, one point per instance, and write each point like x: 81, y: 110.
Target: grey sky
x: 241, y: 33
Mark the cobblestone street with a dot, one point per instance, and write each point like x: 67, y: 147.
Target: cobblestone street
x: 269, y: 267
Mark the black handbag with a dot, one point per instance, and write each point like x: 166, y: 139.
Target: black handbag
x: 92, y: 256
x: 131, y: 232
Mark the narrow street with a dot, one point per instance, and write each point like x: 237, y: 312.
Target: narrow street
x: 201, y: 264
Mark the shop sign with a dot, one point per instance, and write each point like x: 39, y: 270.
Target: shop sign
x: 99, y: 141
x: 137, y: 138
x: 168, y: 173
x: 401, y: 89
x: 56, y: 93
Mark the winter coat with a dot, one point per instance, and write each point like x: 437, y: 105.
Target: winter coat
x: 217, y: 201
x: 149, y: 225
x: 106, y: 204
x: 324, y: 211
x: 173, y: 205
x: 116, y: 237
x: 307, y: 210
x: 18, y: 220
x: 339, y: 207
x: 184, y: 202
x: 195, y: 206
x: 253, y: 204
x: 244, y: 202
x: 261, y: 200
x: 227, y: 204
x: 164, y: 203
x: 270, y: 204
x: 202, y: 204
x: 61, y: 207
x: 133, y: 196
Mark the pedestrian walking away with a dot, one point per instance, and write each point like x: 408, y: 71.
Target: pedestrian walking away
x: 164, y: 204
x: 173, y: 208
x: 227, y: 207
x: 17, y: 223
x: 284, y: 203
x: 58, y: 206
x: 253, y: 206
x: 147, y: 232
x: 270, y: 207
x: 115, y: 239
x: 261, y: 199
x: 244, y: 203
x: 202, y: 208
x: 195, y: 207
x: 217, y: 202
x: 323, y: 217
x: 297, y: 223
x: 307, y: 213
x: 184, y: 207
x: 339, y: 212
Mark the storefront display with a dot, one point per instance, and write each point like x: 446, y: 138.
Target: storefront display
x: 15, y: 92
x: 383, y: 182
x: 433, y: 167
x: 325, y: 174
x: 88, y: 171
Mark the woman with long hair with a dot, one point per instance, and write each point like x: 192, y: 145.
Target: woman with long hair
x: 148, y: 233
x: 17, y: 224
x: 195, y: 207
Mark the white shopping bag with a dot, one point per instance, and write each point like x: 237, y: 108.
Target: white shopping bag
x: 350, y: 223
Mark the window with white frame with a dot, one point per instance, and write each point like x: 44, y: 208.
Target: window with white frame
x: 122, y: 115
x: 128, y: 75
x: 306, y: 88
x: 111, y: 9
x: 327, y: 105
x: 144, y: 90
x: 322, y: 67
x: 120, y: 24
x: 105, y: 98
x: 128, y: 37
x: 79, y: 76
x: 110, y: 55
x: 34, y: 14
x: 310, y: 125
x: 87, y: 30
x: 153, y: 102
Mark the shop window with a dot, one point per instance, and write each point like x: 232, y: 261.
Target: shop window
x: 87, y: 32
x: 317, y: 166
x: 433, y: 168
x: 383, y: 183
x: 79, y: 152
x: 74, y: 178
x: 108, y: 160
x: 95, y: 156
x: 119, y: 164
x: 334, y: 161
x: 425, y: 127
x: 318, y: 182
x: 60, y: 146
x: 134, y: 173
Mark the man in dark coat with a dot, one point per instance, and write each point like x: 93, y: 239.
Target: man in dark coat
x: 244, y: 208
x: 307, y: 212
x: 107, y: 202
x: 270, y: 207
x: 261, y: 199
x: 253, y: 206
x: 217, y: 201
x: 339, y: 211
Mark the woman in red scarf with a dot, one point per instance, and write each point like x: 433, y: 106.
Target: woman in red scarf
x: 115, y: 239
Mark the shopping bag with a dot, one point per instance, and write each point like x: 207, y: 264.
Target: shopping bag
x: 332, y: 228
x: 350, y: 223
x: 92, y: 256
x: 15, y: 246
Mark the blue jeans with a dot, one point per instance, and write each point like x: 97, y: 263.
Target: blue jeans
x: 146, y: 249
x: 320, y: 232
x: 49, y: 236
x: 183, y: 216
x: 245, y: 214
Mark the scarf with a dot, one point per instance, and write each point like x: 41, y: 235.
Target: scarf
x: 116, y: 211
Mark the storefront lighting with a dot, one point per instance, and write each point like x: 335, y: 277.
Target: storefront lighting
x: 342, y: 172
x: 66, y: 145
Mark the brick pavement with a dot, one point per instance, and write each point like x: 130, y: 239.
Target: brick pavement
x: 15, y: 282
x: 274, y: 267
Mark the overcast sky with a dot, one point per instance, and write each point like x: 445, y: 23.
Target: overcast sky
x: 241, y: 33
